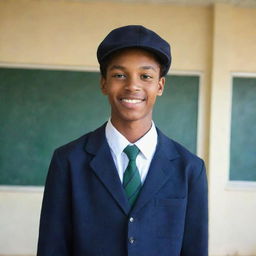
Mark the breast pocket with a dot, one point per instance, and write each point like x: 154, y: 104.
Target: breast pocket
x: 170, y: 217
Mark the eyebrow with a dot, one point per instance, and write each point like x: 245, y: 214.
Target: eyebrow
x: 148, y: 67
x: 123, y: 68
x: 117, y: 67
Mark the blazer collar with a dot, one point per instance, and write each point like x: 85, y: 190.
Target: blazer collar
x: 160, y: 171
x: 97, y: 138
x: 104, y: 167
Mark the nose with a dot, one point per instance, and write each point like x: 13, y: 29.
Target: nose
x: 132, y: 84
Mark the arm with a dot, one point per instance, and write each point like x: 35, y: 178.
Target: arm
x: 195, y: 241
x: 55, y: 223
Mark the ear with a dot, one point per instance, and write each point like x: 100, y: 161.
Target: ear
x: 161, y: 84
x: 103, y: 85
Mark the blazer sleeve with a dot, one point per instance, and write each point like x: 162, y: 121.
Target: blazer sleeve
x: 55, y: 223
x: 195, y: 241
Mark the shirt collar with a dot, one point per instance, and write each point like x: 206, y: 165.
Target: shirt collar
x: 117, y: 142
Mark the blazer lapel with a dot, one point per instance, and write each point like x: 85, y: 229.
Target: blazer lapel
x: 104, y: 167
x: 160, y: 171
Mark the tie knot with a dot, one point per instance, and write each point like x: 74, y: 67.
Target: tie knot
x: 131, y: 152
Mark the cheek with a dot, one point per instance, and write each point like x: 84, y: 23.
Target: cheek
x: 108, y: 90
x: 112, y: 99
x: 152, y: 94
x: 151, y: 101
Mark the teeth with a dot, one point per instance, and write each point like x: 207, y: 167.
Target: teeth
x: 131, y: 100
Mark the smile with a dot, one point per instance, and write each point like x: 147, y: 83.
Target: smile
x: 132, y: 101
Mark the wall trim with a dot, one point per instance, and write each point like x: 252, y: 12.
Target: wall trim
x: 20, y: 189
x: 243, y: 74
x: 49, y: 66
x: 241, y: 185
x: 233, y: 184
x: 82, y: 68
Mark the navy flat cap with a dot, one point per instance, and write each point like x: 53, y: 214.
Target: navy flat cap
x: 139, y: 37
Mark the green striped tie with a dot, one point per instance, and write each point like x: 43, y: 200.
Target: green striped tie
x: 131, y: 180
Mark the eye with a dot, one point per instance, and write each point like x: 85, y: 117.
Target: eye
x: 146, y: 77
x: 118, y: 75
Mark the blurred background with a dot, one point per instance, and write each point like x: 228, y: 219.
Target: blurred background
x: 49, y: 95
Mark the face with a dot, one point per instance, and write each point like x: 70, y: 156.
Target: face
x: 132, y: 84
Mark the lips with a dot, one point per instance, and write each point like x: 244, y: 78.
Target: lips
x: 132, y: 101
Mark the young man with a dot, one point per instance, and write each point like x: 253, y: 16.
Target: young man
x: 125, y: 188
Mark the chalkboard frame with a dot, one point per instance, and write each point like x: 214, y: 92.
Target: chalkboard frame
x: 200, y: 120
x: 236, y: 185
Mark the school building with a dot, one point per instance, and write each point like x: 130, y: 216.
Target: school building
x: 213, y: 44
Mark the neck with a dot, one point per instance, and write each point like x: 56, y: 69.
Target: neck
x: 132, y: 131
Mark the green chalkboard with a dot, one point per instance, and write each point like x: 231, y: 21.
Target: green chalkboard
x: 243, y: 130
x: 176, y: 111
x: 41, y: 110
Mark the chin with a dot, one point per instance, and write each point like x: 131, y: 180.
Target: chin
x: 135, y: 118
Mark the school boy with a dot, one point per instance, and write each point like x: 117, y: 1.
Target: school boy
x: 126, y: 189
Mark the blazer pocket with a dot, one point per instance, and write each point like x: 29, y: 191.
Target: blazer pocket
x: 170, y: 217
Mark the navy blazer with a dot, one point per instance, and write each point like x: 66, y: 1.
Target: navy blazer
x: 85, y: 211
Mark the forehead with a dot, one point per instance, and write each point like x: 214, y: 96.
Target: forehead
x: 134, y: 55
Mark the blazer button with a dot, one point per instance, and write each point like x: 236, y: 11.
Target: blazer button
x: 131, y: 240
x: 131, y: 219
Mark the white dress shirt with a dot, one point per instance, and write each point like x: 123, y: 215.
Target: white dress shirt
x: 117, y: 143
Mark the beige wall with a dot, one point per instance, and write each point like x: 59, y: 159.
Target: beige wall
x: 213, y: 41
x: 68, y: 33
x: 232, y: 210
